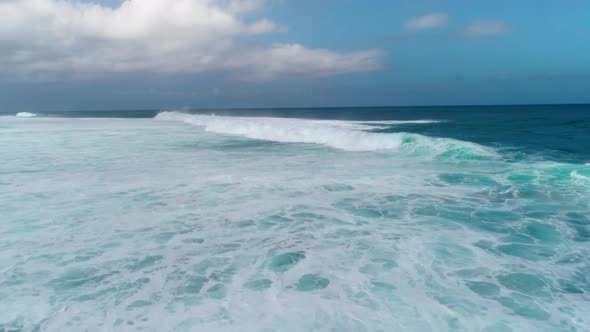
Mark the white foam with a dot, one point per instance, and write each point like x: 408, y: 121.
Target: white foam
x: 166, y: 235
x: 25, y: 115
x: 344, y: 135
x: 579, y: 176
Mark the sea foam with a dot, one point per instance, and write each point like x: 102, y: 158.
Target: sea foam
x: 156, y: 225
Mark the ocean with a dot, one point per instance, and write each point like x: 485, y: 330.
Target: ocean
x: 338, y: 219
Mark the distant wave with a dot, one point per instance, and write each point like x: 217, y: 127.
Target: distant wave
x: 344, y: 135
x: 26, y: 115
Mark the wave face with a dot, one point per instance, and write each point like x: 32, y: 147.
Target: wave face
x: 268, y: 224
x: 343, y: 135
x: 25, y: 115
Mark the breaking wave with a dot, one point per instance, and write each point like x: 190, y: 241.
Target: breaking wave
x: 25, y: 115
x: 355, y: 136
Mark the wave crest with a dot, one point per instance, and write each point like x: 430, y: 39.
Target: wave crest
x: 343, y: 135
x: 25, y: 115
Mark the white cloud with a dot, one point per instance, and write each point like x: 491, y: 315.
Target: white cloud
x: 63, y: 38
x: 427, y: 21
x: 486, y: 28
x: 294, y: 60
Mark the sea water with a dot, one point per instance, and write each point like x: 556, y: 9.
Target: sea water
x: 458, y: 219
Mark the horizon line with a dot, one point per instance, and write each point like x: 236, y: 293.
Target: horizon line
x: 297, y: 107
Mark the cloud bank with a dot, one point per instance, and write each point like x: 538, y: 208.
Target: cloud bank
x: 427, y: 21
x: 64, y: 38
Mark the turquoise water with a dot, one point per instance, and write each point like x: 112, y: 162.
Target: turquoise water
x: 186, y: 222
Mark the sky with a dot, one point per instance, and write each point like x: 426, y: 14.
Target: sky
x: 170, y: 54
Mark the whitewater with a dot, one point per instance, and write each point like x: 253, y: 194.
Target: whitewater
x: 185, y: 222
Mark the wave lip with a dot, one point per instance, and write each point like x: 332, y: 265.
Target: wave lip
x: 344, y: 135
x: 25, y: 115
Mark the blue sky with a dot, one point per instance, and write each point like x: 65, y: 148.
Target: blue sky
x: 287, y: 53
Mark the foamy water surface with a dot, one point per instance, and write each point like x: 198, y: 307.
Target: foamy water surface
x: 199, y: 222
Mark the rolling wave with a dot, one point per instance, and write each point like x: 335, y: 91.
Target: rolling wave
x: 344, y: 135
